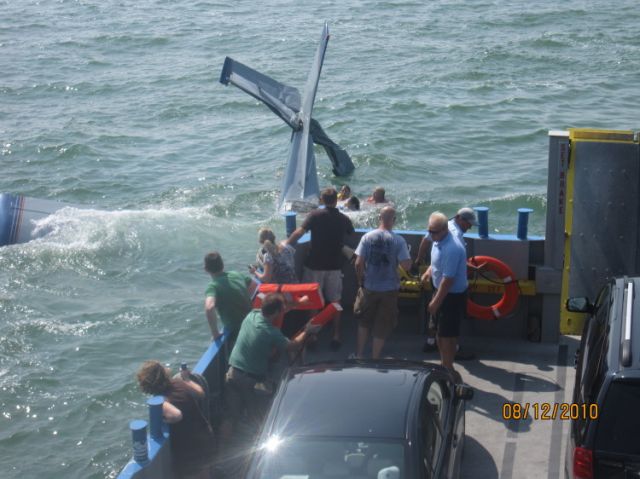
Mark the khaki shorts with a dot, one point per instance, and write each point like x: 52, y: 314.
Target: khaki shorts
x: 330, y: 282
x: 377, y: 311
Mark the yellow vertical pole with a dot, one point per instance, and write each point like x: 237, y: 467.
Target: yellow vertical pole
x: 570, y: 323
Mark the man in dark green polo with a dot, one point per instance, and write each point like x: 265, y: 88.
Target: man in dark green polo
x: 227, y: 297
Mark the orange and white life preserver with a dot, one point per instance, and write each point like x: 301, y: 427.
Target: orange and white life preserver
x: 327, y: 314
x: 509, y: 298
x: 293, y: 292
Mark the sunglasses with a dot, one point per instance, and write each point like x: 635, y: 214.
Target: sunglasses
x: 435, y: 232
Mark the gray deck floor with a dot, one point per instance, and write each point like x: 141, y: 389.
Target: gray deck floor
x: 503, y: 371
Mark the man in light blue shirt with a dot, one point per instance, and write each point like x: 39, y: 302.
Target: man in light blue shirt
x: 449, y: 273
x: 462, y: 222
x: 379, y: 253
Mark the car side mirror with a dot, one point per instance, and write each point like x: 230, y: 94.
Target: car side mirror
x: 464, y: 392
x: 579, y: 305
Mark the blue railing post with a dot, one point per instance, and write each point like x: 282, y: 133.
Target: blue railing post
x: 139, y: 435
x: 290, y: 222
x: 155, y: 416
x: 523, y: 222
x: 483, y: 221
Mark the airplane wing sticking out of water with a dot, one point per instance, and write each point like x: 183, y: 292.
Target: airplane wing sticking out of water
x: 300, y: 184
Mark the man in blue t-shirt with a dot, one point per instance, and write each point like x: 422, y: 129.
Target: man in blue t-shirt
x: 378, y: 255
x: 449, y: 275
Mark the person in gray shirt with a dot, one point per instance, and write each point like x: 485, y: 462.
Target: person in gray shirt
x: 378, y: 255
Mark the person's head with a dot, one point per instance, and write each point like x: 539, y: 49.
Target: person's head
x: 466, y: 218
x: 387, y: 217
x: 345, y: 192
x: 437, y: 226
x: 269, y: 247
x: 153, y: 378
x: 353, y: 203
x: 213, y: 263
x: 265, y: 234
x: 378, y: 195
x: 329, y: 197
x: 272, y: 306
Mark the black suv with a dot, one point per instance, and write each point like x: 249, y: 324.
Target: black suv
x: 604, y: 440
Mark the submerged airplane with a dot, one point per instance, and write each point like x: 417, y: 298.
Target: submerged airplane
x: 19, y: 215
x: 300, y: 189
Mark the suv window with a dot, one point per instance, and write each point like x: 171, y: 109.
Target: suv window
x: 597, y: 346
x: 619, y: 421
x: 431, y: 412
x: 592, y: 367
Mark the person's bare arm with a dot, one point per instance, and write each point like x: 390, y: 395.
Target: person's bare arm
x: 170, y: 413
x: 360, y: 269
x: 426, y: 277
x: 296, y: 235
x: 266, y: 274
x: 212, y: 316
x: 406, y: 264
x: 193, y: 386
x: 438, y: 298
x: 422, y: 250
x: 297, y: 342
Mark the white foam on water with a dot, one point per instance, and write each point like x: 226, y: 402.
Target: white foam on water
x: 88, y: 229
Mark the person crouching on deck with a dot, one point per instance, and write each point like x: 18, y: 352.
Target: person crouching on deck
x: 249, y: 360
x: 192, y: 439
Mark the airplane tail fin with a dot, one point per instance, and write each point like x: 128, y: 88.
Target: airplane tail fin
x: 340, y: 159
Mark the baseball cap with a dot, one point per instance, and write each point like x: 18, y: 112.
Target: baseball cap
x: 469, y: 215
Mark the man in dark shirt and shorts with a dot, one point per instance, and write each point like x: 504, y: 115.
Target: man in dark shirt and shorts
x: 323, y: 265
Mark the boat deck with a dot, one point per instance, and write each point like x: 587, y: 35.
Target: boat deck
x: 503, y: 371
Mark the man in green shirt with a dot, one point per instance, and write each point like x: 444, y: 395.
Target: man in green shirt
x: 227, y: 296
x: 249, y: 360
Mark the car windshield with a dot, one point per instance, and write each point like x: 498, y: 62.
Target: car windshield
x: 619, y: 421
x: 314, y: 458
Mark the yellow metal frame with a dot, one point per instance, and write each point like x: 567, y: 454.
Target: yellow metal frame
x: 411, y: 287
x: 572, y: 323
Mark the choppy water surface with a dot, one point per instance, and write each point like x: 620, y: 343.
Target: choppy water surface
x: 116, y: 105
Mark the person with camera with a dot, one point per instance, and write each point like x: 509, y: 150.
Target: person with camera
x: 192, y: 440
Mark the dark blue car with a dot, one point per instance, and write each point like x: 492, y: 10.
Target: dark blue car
x: 363, y: 419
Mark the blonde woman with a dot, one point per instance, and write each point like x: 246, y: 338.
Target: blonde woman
x: 276, y: 259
